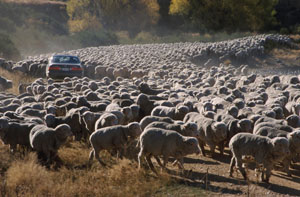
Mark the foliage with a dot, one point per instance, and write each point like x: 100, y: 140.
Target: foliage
x: 8, y: 49
x: 83, y: 15
x: 229, y: 15
x: 132, y: 15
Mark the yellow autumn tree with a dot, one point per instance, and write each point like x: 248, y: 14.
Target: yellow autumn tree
x: 133, y: 15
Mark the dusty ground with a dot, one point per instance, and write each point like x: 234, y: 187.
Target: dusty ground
x: 206, y: 175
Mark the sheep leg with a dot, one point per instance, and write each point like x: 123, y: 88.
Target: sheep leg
x: 202, y: 148
x: 286, y: 164
x: 48, y: 157
x: 91, y: 156
x: 221, y: 148
x: 166, y: 158
x: 212, y: 148
x: 12, y: 148
x: 175, y: 162
x: 268, y: 173
x: 232, y: 164
x: 140, y: 155
x: 239, y: 165
x: 96, y: 153
x: 150, y: 164
x: 180, y: 163
x: 158, y: 161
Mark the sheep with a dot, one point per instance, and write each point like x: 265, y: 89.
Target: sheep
x: 294, y: 143
x: 294, y: 148
x: 271, y: 132
x: 73, y: 120
x: 5, y: 84
x: 126, y: 111
x: 144, y: 88
x: 112, y: 138
x: 149, y: 119
x: 10, y: 107
x: 105, y: 120
x: 293, y: 121
x: 46, y: 141
x: 235, y: 126
x: 146, y: 105
x: 213, y: 134
x: 187, y: 129
x: 176, y: 113
x: 274, y: 125
x: 15, y: 133
x: 264, y: 150
x: 269, y: 120
x: 160, y: 142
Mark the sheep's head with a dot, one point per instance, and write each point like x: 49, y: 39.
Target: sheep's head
x: 280, y: 147
x: 245, y: 125
x: 191, y: 145
x: 50, y: 120
x: 191, y: 129
x: 220, y: 130
x: 134, y: 129
x: 63, y: 131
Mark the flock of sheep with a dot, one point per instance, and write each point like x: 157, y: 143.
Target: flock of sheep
x: 155, y: 96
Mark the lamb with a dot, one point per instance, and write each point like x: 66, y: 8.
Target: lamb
x: 46, y: 141
x: 14, y: 133
x: 160, y: 142
x: 187, y: 129
x: 264, y: 150
x: 112, y: 138
x: 149, y: 119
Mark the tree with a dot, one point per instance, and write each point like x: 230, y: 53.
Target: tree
x: 7, y: 48
x: 132, y: 15
x: 83, y: 14
x: 228, y: 15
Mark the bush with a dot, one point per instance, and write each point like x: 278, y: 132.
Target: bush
x: 8, y: 49
x: 284, y: 30
x: 96, y: 38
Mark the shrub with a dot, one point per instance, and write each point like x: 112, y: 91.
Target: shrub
x: 8, y: 49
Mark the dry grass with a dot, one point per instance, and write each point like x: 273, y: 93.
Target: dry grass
x: 17, y: 78
x: 26, y: 177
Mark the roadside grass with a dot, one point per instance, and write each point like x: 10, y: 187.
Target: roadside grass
x: 17, y: 78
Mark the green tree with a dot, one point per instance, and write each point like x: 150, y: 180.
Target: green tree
x: 229, y: 15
